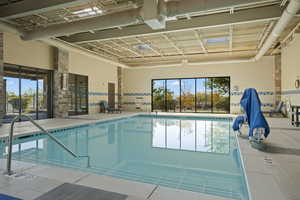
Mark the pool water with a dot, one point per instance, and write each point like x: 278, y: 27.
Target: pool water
x: 189, y: 153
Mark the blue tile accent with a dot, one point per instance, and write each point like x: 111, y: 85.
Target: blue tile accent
x: 287, y: 92
x: 100, y: 94
x: 134, y: 103
x: 98, y: 104
x: 263, y: 104
x: 239, y: 93
x: 137, y: 94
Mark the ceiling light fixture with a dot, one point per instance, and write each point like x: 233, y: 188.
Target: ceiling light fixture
x: 88, y: 12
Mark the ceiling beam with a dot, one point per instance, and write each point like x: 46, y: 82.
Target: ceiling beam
x: 265, y: 34
x: 173, y: 44
x: 199, y: 38
x: 191, y: 7
x: 202, y: 22
x: 124, y: 18
x: 31, y: 7
x: 230, y: 37
x: 127, y: 48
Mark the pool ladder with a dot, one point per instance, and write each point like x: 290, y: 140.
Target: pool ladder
x: 56, y: 140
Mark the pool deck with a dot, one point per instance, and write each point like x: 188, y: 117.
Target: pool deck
x: 272, y: 174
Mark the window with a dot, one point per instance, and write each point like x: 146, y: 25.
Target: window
x: 191, y: 95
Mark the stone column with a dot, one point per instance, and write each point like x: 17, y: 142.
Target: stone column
x: 277, y: 79
x: 61, y: 91
x: 120, y: 86
x: 2, y: 89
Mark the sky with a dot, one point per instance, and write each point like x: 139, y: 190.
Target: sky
x: 12, y: 85
x: 186, y: 84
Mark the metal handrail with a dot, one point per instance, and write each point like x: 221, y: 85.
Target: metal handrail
x: 10, y: 142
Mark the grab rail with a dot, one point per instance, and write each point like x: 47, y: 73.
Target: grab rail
x: 10, y: 142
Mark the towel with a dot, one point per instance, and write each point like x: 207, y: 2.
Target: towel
x: 252, y: 106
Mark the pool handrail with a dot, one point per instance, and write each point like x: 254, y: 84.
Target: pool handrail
x: 56, y: 140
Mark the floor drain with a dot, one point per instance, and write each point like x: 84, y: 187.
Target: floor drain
x: 268, y: 161
x: 22, y: 175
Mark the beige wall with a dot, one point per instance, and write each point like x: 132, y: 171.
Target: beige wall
x: 259, y: 75
x: 27, y: 53
x: 39, y: 55
x: 99, y: 73
x: 137, y: 82
x: 290, y: 66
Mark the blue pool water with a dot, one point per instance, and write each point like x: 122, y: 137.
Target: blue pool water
x: 195, y: 154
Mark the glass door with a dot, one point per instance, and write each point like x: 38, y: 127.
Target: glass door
x: 173, y: 95
x: 191, y: 95
x: 42, y: 99
x: 203, y: 95
x: 82, y: 96
x: 29, y: 97
x: 78, y: 98
x: 221, y: 94
x: 158, y: 95
x: 28, y: 92
x: 12, y: 98
x: 188, y: 99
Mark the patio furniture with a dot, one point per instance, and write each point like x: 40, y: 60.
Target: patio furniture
x: 102, y: 107
x: 105, y: 108
x: 295, y: 113
x: 277, y: 110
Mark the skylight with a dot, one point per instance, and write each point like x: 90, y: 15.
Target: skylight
x: 143, y: 47
x: 88, y: 12
x: 220, y: 40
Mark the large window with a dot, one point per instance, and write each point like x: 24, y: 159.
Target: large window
x: 27, y: 91
x: 191, y: 95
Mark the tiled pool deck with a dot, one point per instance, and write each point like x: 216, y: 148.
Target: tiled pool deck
x: 272, y: 174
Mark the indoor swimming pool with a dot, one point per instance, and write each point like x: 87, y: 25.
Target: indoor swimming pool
x: 198, y: 154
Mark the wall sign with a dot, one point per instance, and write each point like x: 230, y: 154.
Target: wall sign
x: 297, y: 83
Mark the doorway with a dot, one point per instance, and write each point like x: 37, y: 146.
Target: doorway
x: 78, y: 88
x: 111, y: 95
x: 28, y: 91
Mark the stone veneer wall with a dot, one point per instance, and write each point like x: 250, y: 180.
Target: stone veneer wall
x: 120, y: 86
x: 2, y: 99
x: 60, y: 94
x: 277, y: 79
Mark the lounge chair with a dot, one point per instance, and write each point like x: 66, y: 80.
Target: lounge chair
x: 111, y: 109
x: 293, y: 113
x: 277, y: 110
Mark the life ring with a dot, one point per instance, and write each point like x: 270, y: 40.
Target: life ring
x: 297, y: 84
